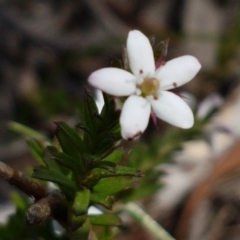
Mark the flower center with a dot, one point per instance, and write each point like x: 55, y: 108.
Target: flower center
x: 150, y: 87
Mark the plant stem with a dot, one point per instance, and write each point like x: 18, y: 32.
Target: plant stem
x: 146, y: 221
x: 19, y: 180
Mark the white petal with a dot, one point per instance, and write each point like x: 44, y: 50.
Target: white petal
x: 99, y: 100
x: 134, y: 117
x: 211, y: 102
x: 113, y: 81
x: 140, y: 54
x: 177, y: 72
x: 172, y: 109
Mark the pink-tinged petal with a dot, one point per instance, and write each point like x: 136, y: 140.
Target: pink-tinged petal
x: 134, y: 117
x: 172, y: 109
x: 177, y: 72
x: 140, y: 54
x: 114, y: 81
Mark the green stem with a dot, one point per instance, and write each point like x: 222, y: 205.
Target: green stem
x: 146, y: 221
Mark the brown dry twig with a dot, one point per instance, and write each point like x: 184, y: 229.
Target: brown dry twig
x: 46, y: 204
x: 53, y: 204
x: 19, y: 180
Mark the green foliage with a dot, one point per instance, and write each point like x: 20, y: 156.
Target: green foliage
x: 112, y: 185
x: 85, y: 165
x: 149, y: 155
x: 103, y: 129
x: 26, y: 131
x: 105, y: 220
x: 81, y: 202
x: 35, y: 140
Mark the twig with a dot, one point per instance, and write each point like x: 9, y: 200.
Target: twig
x: 53, y: 205
x: 19, y: 180
x: 46, y: 204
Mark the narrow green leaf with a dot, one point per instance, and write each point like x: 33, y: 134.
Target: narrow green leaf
x: 82, y: 232
x: 106, y: 141
x: 66, y: 161
x: 54, y: 176
x: 25, y: 131
x: 100, y: 173
x: 105, y: 220
x: 91, y: 116
x: 102, y: 199
x: 36, y: 149
x: 117, y: 155
x: 47, y: 158
x: 127, y: 171
x: 89, y: 159
x: 109, y: 106
x: 71, y: 143
x: 113, y: 185
x: 84, y: 127
x: 103, y: 130
x: 76, y: 222
x: 81, y: 202
x: 90, y: 111
x: 107, y: 165
x: 71, y: 135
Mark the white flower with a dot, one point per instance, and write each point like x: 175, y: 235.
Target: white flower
x: 147, y: 87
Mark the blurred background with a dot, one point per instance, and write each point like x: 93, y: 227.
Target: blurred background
x: 48, y: 48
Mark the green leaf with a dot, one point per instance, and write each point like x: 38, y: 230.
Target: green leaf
x: 107, y: 165
x: 90, y: 111
x: 81, y: 202
x: 100, y: 173
x: 105, y: 220
x: 108, y: 108
x: 54, y: 176
x: 128, y: 171
x: 71, y: 143
x: 47, y: 158
x: 106, y: 141
x: 92, y: 119
x: 102, y: 199
x: 36, y: 149
x: 117, y: 155
x: 113, y: 185
x: 76, y: 222
x: 26, y: 131
x: 66, y: 161
x: 103, y: 130
x: 89, y: 159
x: 84, y: 128
x: 81, y: 232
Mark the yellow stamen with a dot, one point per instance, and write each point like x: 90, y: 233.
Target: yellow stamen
x: 150, y: 87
